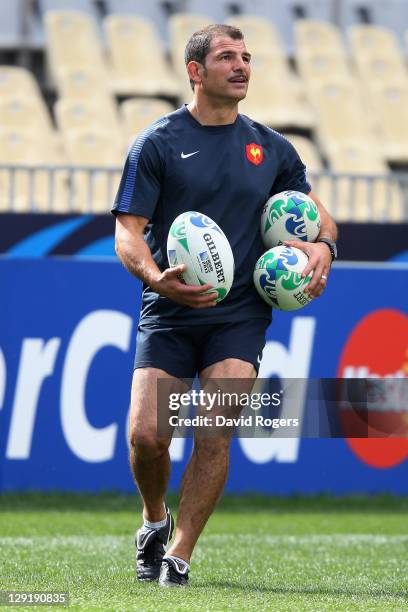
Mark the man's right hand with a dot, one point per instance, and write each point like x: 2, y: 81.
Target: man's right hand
x: 169, y: 285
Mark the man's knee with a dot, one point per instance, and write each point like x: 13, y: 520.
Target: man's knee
x: 146, y: 445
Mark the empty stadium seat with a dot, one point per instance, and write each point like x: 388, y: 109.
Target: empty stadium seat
x: 260, y: 34
x: 308, y: 152
x: 77, y: 82
x: 27, y: 187
x: 273, y: 98
x: 368, y: 40
x: 156, y: 11
x: 73, y: 42
x: 83, y: 114
x: 391, y: 105
x: 363, y: 199
x: 16, y: 81
x: 26, y: 112
x: 321, y: 66
x: 139, y: 113
x: 340, y: 115
x: 378, y: 69
x: 314, y: 36
x: 95, y: 155
x: 139, y: 65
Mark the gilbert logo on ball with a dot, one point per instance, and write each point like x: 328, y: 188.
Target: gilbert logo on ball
x: 198, y: 242
x: 289, y: 215
x: 375, y: 360
x: 278, y: 280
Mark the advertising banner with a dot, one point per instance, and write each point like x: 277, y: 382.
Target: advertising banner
x: 67, y: 341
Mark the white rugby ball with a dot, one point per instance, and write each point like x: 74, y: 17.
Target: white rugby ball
x: 196, y: 241
x: 289, y: 215
x: 278, y: 280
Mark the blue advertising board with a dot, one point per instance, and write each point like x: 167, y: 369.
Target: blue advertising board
x: 67, y: 341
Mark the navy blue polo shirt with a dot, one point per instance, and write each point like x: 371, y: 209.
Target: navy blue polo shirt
x: 226, y: 172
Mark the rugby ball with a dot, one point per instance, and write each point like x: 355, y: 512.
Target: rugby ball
x: 277, y: 278
x: 198, y: 242
x: 289, y: 215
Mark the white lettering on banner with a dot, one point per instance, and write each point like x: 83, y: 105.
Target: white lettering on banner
x: 292, y: 362
x: 3, y: 378
x: 36, y: 363
x: 98, y: 329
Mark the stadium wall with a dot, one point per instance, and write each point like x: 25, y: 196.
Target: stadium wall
x: 67, y: 338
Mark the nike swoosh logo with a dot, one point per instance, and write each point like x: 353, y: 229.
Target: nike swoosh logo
x: 185, y: 155
x: 259, y: 359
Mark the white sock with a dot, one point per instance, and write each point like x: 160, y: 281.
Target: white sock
x: 158, y: 524
x: 180, y: 562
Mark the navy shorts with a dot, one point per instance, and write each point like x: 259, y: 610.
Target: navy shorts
x: 185, y: 351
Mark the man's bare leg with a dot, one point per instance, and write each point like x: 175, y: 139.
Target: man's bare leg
x: 206, y: 472
x: 149, y: 455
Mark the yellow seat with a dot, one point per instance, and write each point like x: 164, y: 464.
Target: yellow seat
x: 73, y: 42
x: 321, y: 66
x: 308, y: 152
x: 95, y: 157
x: 28, y: 186
x: 391, y: 106
x: 377, y: 69
x: 373, y: 40
x: 313, y: 36
x: 16, y: 81
x: 138, y: 114
x: 341, y: 116
x: 82, y: 114
x: 274, y: 98
x: 78, y: 82
x: 368, y: 193
x: 135, y: 70
x: 21, y: 111
x: 260, y: 35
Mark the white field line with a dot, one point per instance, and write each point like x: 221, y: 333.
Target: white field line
x: 111, y: 541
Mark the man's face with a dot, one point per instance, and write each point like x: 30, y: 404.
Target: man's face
x: 227, y: 69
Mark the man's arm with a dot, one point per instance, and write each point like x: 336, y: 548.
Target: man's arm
x: 319, y: 255
x: 136, y: 256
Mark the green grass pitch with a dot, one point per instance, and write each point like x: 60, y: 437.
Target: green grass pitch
x: 256, y: 553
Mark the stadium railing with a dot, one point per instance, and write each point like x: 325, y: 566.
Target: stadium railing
x: 87, y: 189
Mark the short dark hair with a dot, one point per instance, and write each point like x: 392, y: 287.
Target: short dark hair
x: 199, y: 44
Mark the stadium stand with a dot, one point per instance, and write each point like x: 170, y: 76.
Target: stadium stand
x: 350, y: 197
x: 94, y: 155
x: 135, y: 71
x: 333, y: 71
x: 138, y: 113
x: 318, y: 36
x: 287, y: 106
x: 155, y: 11
x: 15, y: 80
x: 308, y: 152
x: 391, y: 106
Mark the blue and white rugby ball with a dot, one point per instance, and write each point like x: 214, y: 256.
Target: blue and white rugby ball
x: 278, y: 280
x: 289, y: 215
x: 198, y: 242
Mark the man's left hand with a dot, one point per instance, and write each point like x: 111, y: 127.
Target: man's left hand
x: 319, y: 262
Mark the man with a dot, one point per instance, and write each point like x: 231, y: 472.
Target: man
x: 198, y: 158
